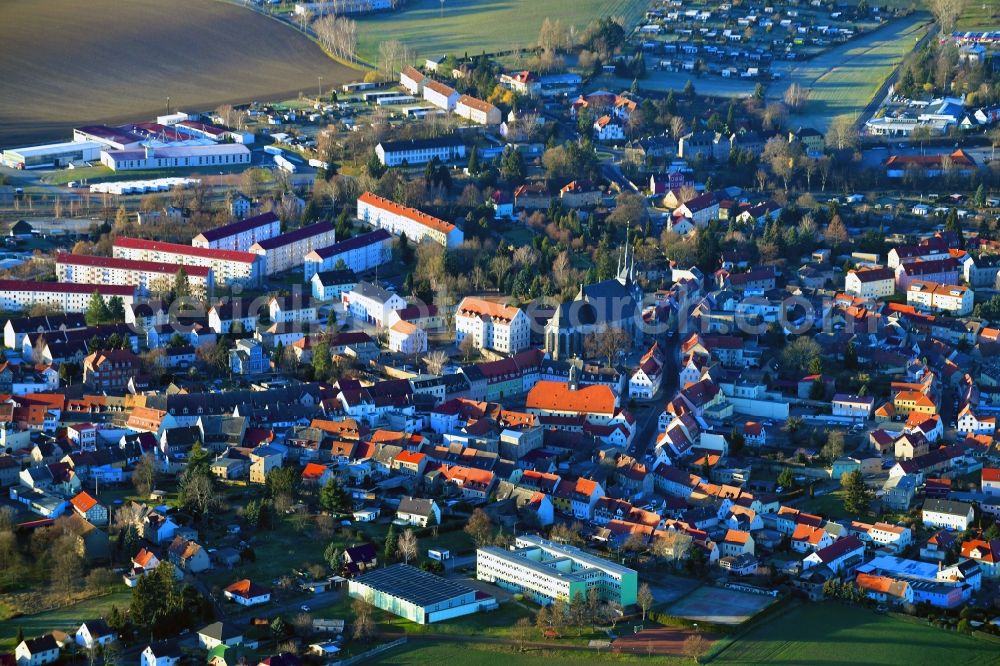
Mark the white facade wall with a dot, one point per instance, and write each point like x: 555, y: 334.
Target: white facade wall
x: 12, y: 298
x: 224, y: 270
x: 415, y: 231
x: 145, y: 280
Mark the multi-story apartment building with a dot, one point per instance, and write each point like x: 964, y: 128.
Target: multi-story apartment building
x: 110, y: 370
x: 547, y: 571
x: 503, y: 328
x: 440, y: 95
x: 934, y: 270
x: 241, y: 235
x: 371, y: 303
x: 65, y: 296
x: 870, y: 282
x: 228, y: 266
x: 398, y: 219
x: 420, y: 151
x: 287, y: 251
x: 145, y: 275
x: 359, y: 254
x: 934, y: 297
x: 477, y: 110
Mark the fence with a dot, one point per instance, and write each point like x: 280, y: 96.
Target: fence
x: 359, y: 658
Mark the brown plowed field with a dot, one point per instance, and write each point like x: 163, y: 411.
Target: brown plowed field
x: 74, y: 62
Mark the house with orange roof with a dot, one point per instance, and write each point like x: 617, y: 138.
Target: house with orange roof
x: 597, y: 402
x: 84, y: 504
x: 406, y: 338
x: 907, y: 401
x: 577, y: 497
x: 316, y: 475
x: 985, y: 553
x: 989, y: 481
x: 411, y: 463
x: 971, y: 423
x: 809, y: 539
x: 474, y: 483
x: 247, y: 593
x: 736, y: 543
x: 885, y: 589
x: 144, y: 562
x: 491, y: 325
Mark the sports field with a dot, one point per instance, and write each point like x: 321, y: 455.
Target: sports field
x: 474, y: 26
x: 719, y: 605
x: 828, y: 634
x: 67, y: 619
x: 67, y: 62
x: 844, y: 79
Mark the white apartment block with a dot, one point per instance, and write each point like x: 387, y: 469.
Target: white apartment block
x: 406, y: 338
x: 360, y: 253
x: 871, y: 283
x: 949, y: 514
x: 502, y: 328
x: 241, y: 235
x: 412, y: 80
x: 228, y: 266
x: 65, y: 296
x: 287, y: 251
x: 420, y: 151
x: 371, y: 303
x: 547, y: 571
x: 417, y: 225
x: 477, y: 111
x: 936, y: 297
x: 145, y: 275
x: 440, y: 95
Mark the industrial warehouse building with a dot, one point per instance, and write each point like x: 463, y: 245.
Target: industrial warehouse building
x: 175, y: 157
x: 52, y: 155
x: 547, y: 571
x: 417, y: 595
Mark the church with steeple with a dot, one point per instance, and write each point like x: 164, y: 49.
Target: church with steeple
x: 616, y: 302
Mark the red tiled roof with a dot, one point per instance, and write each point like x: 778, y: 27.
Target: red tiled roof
x: 413, y: 214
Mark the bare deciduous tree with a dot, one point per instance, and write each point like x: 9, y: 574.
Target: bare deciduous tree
x: 407, y: 546
x: 436, y: 361
x: 608, y: 342
x: 796, y: 96
x: 946, y: 12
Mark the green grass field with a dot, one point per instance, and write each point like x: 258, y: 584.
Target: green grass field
x: 67, y: 619
x: 435, y: 654
x: 828, y: 633
x: 844, y: 79
x: 829, y: 505
x: 979, y: 15
x: 473, y: 26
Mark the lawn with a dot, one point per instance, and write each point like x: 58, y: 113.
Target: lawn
x: 843, y: 80
x: 979, y: 15
x: 473, y: 26
x: 67, y: 618
x: 420, y: 653
x: 830, y: 633
x: 829, y: 505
